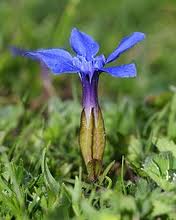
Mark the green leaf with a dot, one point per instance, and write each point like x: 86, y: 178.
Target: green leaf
x: 157, y: 167
x: 164, y: 204
x: 164, y: 144
x: 135, y: 151
x: 49, y: 179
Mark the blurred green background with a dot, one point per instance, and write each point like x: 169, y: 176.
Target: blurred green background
x: 45, y: 24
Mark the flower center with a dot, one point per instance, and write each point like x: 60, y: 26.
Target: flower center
x: 85, y: 66
x: 88, y: 68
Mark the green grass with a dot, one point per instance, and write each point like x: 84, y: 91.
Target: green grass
x: 41, y: 170
x: 42, y: 175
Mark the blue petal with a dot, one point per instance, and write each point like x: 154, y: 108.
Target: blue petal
x: 58, y: 60
x: 125, y: 44
x: 83, y: 44
x: 123, y: 71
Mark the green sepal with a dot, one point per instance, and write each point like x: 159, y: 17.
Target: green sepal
x: 92, y: 142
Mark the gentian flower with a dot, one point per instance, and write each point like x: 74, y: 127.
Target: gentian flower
x: 89, y: 66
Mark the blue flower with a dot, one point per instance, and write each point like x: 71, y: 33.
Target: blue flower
x: 89, y: 67
x: 85, y: 62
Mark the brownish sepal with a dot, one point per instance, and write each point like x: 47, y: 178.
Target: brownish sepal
x: 94, y: 168
x: 92, y: 142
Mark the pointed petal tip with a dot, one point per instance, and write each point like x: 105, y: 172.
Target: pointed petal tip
x: 140, y: 35
x: 75, y: 29
x: 16, y: 51
x: 122, y: 71
x: 125, y: 44
x: 83, y: 44
x: 134, y: 72
x: 130, y: 71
